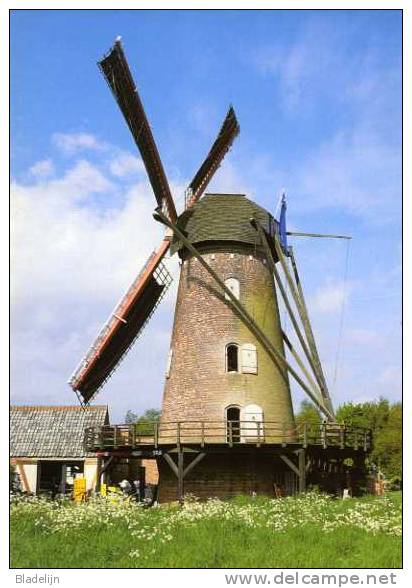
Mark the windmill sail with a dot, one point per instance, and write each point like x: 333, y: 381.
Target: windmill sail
x: 117, y: 73
x: 122, y: 328
x: 227, y: 134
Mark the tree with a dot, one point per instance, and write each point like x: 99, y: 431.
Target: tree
x: 130, y: 418
x: 385, y: 422
x: 308, y: 413
x: 387, y: 451
x: 144, y: 423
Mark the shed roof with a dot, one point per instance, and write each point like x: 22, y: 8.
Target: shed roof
x: 52, y: 431
x: 223, y: 217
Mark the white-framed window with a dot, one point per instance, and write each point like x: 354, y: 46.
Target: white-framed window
x: 169, y: 362
x: 249, y: 359
x: 232, y: 357
x: 234, y: 286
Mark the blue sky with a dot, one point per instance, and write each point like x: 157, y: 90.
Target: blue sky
x: 318, y: 97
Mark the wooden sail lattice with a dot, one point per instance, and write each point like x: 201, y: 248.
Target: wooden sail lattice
x: 122, y: 329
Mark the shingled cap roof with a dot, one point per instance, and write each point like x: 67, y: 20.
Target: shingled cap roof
x: 223, y: 218
x: 52, y: 431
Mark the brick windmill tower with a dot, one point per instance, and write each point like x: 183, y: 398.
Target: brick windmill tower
x: 227, y: 377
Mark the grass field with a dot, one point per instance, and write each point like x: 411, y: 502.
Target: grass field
x: 311, y: 530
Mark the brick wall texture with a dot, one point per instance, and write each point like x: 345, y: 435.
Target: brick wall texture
x: 198, y: 386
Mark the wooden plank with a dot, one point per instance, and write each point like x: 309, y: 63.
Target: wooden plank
x: 180, y: 476
x: 23, y: 477
x: 302, y: 470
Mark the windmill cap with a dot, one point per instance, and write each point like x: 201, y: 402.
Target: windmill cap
x: 220, y: 218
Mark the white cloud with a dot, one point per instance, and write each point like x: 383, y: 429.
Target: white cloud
x: 71, y: 262
x: 72, y: 143
x: 42, y: 169
x: 330, y: 298
x: 354, y: 171
x: 125, y: 164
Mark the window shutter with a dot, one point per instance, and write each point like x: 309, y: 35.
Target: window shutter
x: 249, y: 359
x: 234, y: 287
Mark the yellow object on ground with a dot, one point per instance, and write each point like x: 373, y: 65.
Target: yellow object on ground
x: 79, y: 489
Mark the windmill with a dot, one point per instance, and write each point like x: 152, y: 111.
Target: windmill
x: 227, y: 377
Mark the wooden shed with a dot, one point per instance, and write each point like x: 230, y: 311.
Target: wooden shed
x: 47, y: 449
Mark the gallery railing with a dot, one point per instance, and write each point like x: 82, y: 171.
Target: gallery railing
x: 230, y: 433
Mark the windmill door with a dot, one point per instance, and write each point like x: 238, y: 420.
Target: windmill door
x: 252, y: 424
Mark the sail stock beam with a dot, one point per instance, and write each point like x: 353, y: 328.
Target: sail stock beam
x: 123, y: 327
x: 278, y: 358
x: 118, y: 76
x: 302, y: 366
x: 227, y: 134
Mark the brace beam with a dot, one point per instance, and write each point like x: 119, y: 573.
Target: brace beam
x: 193, y: 463
x: 311, y: 338
x: 171, y: 463
x: 294, y: 234
x: 290, y: 463
x: 306, y: 325
x: 302, y: 366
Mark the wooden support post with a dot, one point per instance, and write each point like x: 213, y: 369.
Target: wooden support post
x: 289, y: 463
x: 305, y: 435
x: 230, y: 423
x: 115, y: 437
x: 62, y: 488
x: 102, y: 470
x: 323, y: 435
x: 178, y: 436
x: 342, y: 436
x: 302, y: 470
x: 156, y: 435
x: 133, y: 432
x: 23, y: 477
x: 180, y: 476
x: 284, y: 435
x: 258, y: 435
